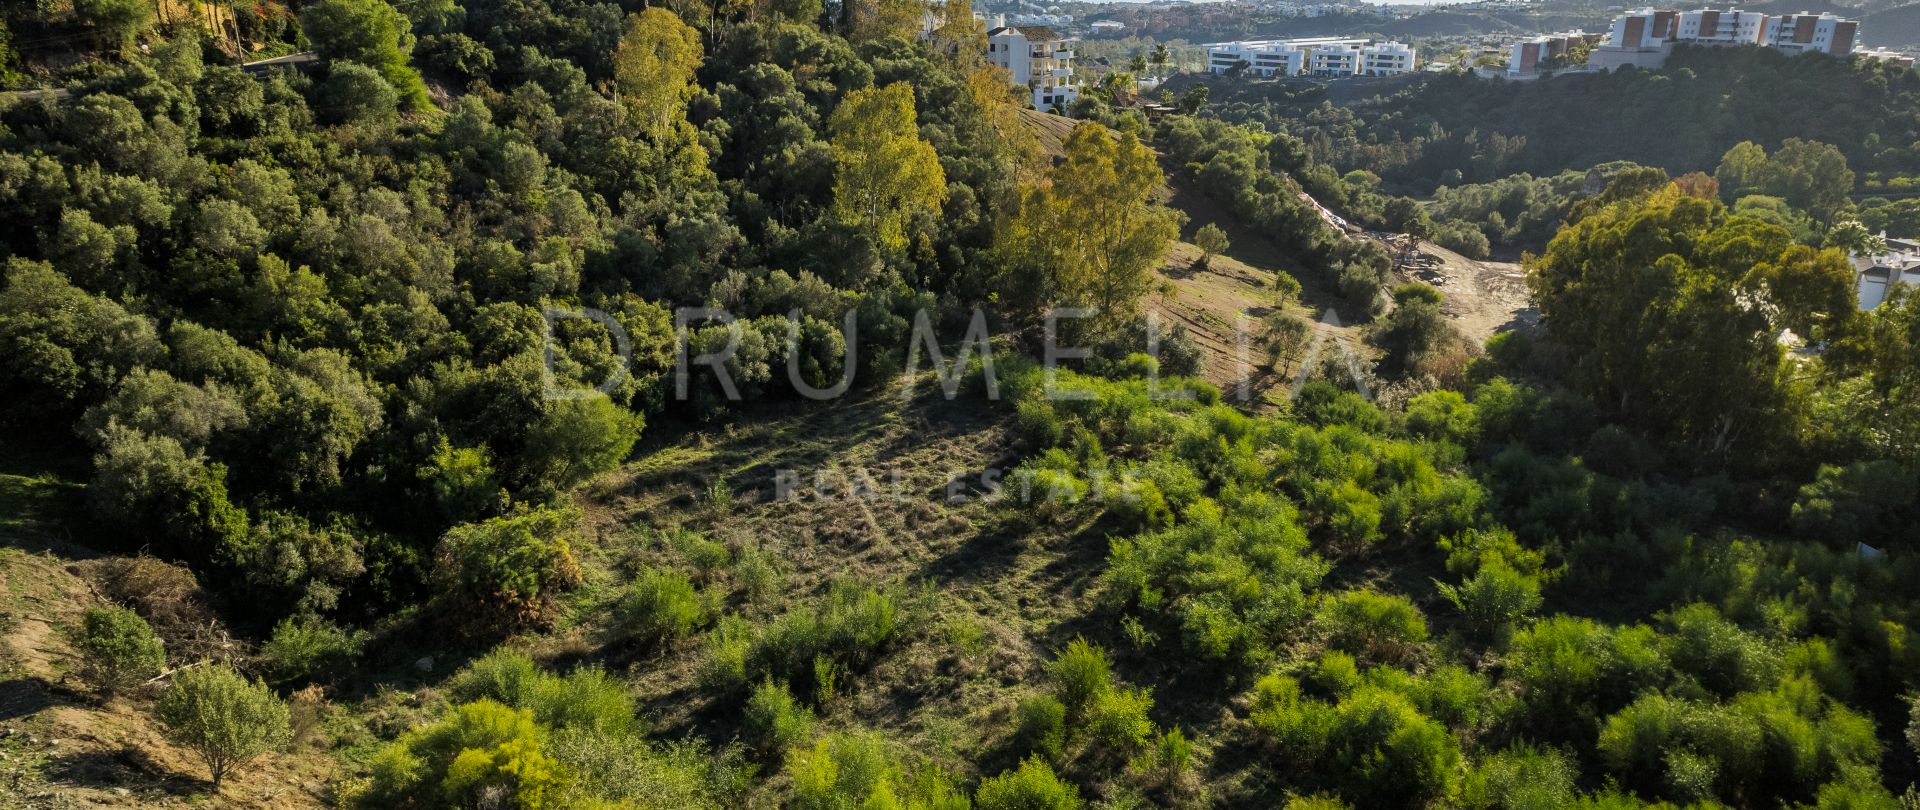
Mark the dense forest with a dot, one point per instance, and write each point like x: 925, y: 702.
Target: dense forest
x: 362, y: 389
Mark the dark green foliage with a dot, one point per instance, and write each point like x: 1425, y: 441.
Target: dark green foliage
x: 118, y: 649
x: 307, y: 648
x: 504, y: 573
x: 1869, y: 499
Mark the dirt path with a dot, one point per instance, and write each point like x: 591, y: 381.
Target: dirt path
x: 1483, y: 298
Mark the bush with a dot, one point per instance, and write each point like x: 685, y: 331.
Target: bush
x: 480, y: 749
x: 756, y: 575
x: 1034, y: 417
x: 224, y: 718
x: 1521, y: 777
x: 502, y: 574
x: 723, y: 656
x: 775, y: 721
x: 118, y: 649
x: 1120, y: 720
x: 1080, y: 676
x: 1336, y: 674
x: 662, y: 605
x: 1031, y: 787
x: 586, y: 699
x: 1462, y: 238
x: 706, y: 556
x: 1720, y: 656
x: 1042, y: 721
x: 1381, y: 627
x: 306, y: 647
x: 1496, y: 598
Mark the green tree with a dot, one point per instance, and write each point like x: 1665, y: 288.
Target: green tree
x: 1195, y: 100
x: 1092, y: 235
x: 654, y: 66
x: 116, y: 23
x: 884, y: 175
x: 371, y: 33
x: 1212, y: 241
x: 118, y: 649
x: 223, y: 717
x: 1671, y: 309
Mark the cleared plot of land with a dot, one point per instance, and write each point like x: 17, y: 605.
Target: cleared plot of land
x: 1483, y: 298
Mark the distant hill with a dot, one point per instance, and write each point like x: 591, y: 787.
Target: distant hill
x: 1894, y: 27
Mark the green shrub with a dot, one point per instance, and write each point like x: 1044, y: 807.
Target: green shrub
x: 503, y: 574
x: 504, y: 676
x: 586, y: 699
x: 1716, y: 653
x: 1034, y: 417
x: 118, y: 649
x: 222, y: 717
x: 1119, y: 720
x: 1462, y: 238
x: 1336, y: 673
x: 1867, y: 502
x: 306, y: 648
x: 1080, y: 676
x: 662, y: 605
x: 723, y: 655
x: 756, y: 575
x: 1382, y: 627
x: 1032, y: 786
x: 1172, y: 755
x: 774, y: 720
x: 1042, y: 722
x: 1389, y: 753
x: 1495, y: 599
x: 628, y: 770
x: 706, y: 556
x: 476, y: 750
x: 859, y: 771
x: 1521, y: 778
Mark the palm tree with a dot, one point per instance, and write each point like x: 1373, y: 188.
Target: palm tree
x: 1160, y: 59
x: 1139, y: 64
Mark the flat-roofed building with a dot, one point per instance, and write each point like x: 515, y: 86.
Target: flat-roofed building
x: 1322, y: 56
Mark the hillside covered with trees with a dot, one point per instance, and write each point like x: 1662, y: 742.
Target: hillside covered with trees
x: 351, y: 457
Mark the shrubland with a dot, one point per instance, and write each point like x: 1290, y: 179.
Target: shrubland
x: 301, y: 332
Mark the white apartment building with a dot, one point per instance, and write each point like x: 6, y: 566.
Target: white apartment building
x: 1804, y: 33
x: 1528, y: 57
x: 1644, y: 37
x: 1038, y: 59
x: 1324, y: 56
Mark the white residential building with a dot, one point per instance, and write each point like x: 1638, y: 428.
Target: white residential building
x: 1644, y: 37
x: 1038, y: 59
x: 1877, y: 274
x: 1527, y: 58
x: 1804, y: 33
x: 1325, y: 56
x: 1386, y: 59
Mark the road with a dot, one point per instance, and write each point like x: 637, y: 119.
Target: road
x: 258, y: 69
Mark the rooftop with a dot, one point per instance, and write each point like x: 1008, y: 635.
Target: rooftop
x: 1035, y: 33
